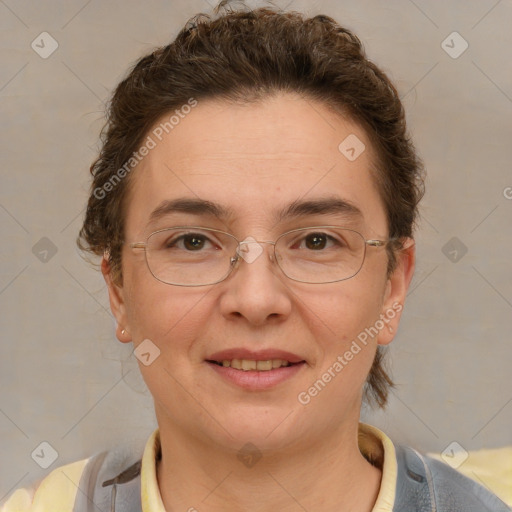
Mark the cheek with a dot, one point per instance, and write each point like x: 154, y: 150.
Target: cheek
x: 160, y: 312
x: 342, y: 324
x: 342, y: 320
x: 343, y: 309
x: 172, y: 319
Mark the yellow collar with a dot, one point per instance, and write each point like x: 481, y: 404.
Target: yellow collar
x: 373, y: 444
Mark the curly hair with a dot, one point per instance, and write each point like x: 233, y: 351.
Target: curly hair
x: 245, y: 55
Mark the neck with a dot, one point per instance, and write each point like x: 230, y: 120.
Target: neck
x: 329, y: 475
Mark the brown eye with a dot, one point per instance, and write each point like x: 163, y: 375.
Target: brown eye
x: 190, y: 242
x: 316, y: 241
x: 193, y: 242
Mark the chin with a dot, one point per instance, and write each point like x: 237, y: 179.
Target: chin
x: 268, y: 427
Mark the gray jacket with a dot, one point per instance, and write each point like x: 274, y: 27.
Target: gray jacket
x: 111, y: 482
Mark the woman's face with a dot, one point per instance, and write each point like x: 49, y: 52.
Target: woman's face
x: 255, y: 160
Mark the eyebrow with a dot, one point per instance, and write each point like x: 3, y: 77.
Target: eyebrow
x: 296, y: 209
x: 322, y: 206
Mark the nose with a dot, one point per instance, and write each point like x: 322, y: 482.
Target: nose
x: 256, y: 290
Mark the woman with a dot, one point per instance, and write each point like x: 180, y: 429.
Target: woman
x: 253, y: 204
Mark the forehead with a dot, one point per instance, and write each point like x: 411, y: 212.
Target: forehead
x: 254, y: 160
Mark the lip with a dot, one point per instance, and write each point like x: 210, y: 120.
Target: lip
x: 254, y: 380
x: 254, y: 355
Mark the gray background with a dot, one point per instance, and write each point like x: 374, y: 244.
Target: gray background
x: 61, y: 368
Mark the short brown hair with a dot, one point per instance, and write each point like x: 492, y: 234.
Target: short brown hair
x: 247, y: 55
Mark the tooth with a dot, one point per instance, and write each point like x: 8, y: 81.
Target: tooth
x: 264, y: 365
x: 237, y: 364
x: 248, y: 364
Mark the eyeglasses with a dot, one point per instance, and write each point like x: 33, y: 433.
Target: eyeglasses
x: 199, y: 256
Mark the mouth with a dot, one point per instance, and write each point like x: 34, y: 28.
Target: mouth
x: 246, y: 365
x: 255, y: 371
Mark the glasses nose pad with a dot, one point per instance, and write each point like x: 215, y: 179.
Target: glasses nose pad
x: 234, y: 260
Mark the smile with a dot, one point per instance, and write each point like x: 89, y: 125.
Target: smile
x: 251, y: 364
x: 255, y: 375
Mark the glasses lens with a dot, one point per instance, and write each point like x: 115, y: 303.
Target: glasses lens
x: 190, y: 256
x: 323, y: 254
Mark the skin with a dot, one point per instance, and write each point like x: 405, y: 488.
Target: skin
x: 255, y: 158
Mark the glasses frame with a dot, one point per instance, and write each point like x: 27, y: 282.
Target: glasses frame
x: 235, y: 259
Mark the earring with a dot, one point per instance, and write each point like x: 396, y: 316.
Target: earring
x: 123, y: 332
x: 390, y: 329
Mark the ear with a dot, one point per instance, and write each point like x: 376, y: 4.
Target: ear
x: 117, y: 302
x: 396, y: 291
